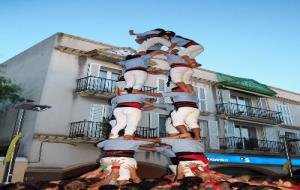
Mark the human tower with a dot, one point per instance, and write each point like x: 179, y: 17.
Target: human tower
x: 160, y: 52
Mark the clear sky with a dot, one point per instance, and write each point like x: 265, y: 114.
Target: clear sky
x: 257, y: 39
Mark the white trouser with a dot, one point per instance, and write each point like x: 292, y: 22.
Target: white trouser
x: 153, y: 41
x: 186, y: 116
x: 170, y: 129
x: 192, y: 51
x: 113, y: 123
x: 187, y: 170
x: 124, y: 174
x: 135, y: 79
x: 181, y: 74
x: 160, y: 62
x: 126, y: 116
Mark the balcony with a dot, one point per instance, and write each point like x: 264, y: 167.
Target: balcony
x: 244, y: 112
x: 100, y: 87
x: 88, y: 129
x: 236, y: 143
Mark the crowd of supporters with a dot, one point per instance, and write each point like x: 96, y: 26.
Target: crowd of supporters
x: 102, y: 179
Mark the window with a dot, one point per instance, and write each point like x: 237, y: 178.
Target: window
x: 285, y: 112
x: 93, y: 70
x: 162, y: 87
x: 96, y: 113
x: 162, y: 125
x: 201, y: 93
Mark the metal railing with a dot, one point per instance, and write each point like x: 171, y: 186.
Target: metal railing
x: 239, y: 110
x: 237, y: 143
x: 98, y: 84
x: 88, y: 129
x: 146, y: 132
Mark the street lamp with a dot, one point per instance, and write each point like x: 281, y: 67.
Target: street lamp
x: 12, y: 151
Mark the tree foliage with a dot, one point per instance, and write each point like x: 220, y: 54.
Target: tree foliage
x: 8, y: 90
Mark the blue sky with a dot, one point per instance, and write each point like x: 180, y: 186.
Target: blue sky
x: 257, y: 39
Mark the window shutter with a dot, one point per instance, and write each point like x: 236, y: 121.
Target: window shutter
x: 224, y: 96
x: 154, y: 120
x: 107, y: 111
x: 229, y: 128
x: 202, y: 98
x: 94, y: 69
x: 162, y: 87
x: 96, y: 113
x: 213, y: 132
x: 270, y: 133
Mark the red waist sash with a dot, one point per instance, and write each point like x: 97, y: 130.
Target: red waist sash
x: 118, y: 153
x: 130, y: 104
x: 191, y: 157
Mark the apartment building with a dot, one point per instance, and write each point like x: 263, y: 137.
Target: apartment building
x: 242, y: 120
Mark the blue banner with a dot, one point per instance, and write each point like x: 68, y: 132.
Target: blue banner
x: 240, y: 159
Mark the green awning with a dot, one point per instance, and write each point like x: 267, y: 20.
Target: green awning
x: 245, y: 84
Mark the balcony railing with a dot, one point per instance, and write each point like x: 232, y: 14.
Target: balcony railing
x: 248, y: 112
x: 101, y: 85
x: 88, y: 129
x: 146, y: 132
x: 236, y: 143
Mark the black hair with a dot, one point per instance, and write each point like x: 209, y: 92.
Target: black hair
x: 131, y: 186
x: 170, y: 33
x: 46, y: 184
x: 239, y: 185
x: 267, y: 188
x: 147, y: 185
x: 191, y: 181
x: 260, y: 179
x: 108, y: 187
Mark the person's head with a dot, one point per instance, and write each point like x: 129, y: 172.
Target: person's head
x: 239, y: 185
x: 147, y: 184
x: 73, y: 184
x: 224, y: 185
x: 260, y: 180
x: 170, y: 34
x: 266, y: 188
x: 242, y: 178
x: 131, y: 186
x: 139, y: 40
x: 167, y: 35
x: 193, y: 182
x: 287, y: 182
x: 48, y: 186
x: 108, y: 187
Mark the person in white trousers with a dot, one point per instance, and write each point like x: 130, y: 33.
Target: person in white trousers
x: 186, y: 113
x: 181, y: 71
x: 135, y: 70
x: 122, y: 151
x: 127, y: 110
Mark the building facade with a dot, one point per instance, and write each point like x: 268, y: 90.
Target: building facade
x: 77, y: 76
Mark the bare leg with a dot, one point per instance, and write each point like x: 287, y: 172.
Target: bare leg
x: 182, y: 86
x: 197, y: 132
x: 182, y: 130
x: 189, y: 88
